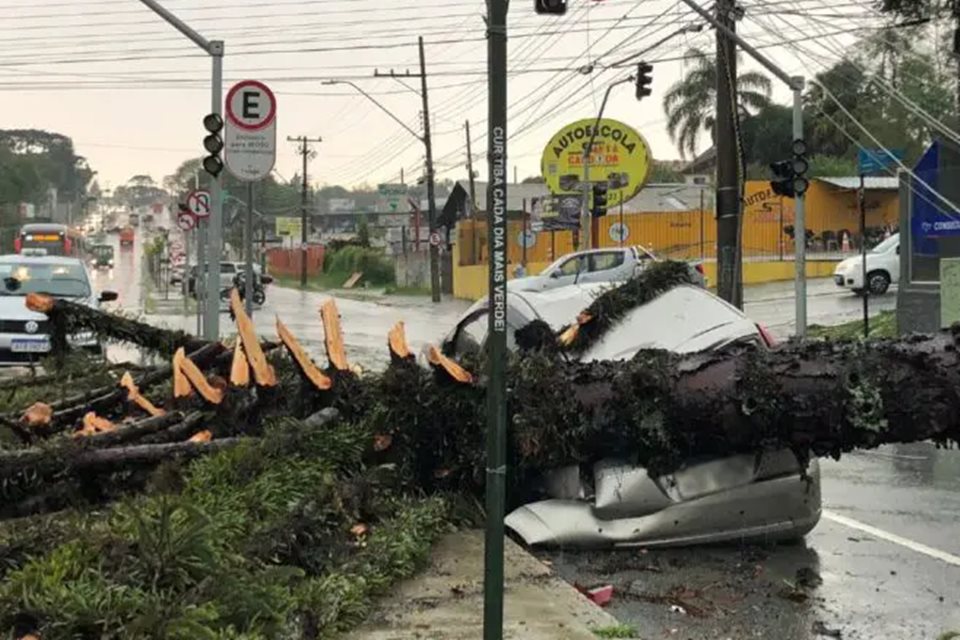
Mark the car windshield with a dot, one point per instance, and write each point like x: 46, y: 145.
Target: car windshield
x: 62, y: 280
x: 886, y: 245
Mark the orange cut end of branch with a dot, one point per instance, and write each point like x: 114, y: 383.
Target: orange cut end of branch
x: 333, y: 335
x: 181, y: 386
x: 201, y: 436
x: 449, y: 366
x: 134, y: 396
x: 38, y: 414
x: 198, y: 381
x: 309, y: 370
x: 92, y: 425
x: 39, y: 302
x: 263, y: 372
x: 240, y: 367
x: 567, y: 337
x: 397, y: 341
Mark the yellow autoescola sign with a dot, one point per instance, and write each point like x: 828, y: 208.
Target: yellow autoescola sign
x: 620, y: 156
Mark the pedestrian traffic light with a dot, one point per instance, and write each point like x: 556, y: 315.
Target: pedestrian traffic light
x: 554, y: 7
x: 213, y: 143
x: 644, y: 80
x: 600, y: 199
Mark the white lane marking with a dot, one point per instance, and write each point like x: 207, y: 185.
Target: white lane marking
x: 919, y: 547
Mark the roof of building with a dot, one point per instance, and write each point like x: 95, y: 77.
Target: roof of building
x: 876, y: 183
x: 653, y: 197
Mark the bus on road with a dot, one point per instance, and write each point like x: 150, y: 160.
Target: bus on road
x: 49, y: 239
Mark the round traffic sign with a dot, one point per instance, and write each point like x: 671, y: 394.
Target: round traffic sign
x: 619, y: 232
x: 434, y: 239
x: 251, y: 105
x: 198, y: 202
x: 186, y: 221
x: 527, y: 239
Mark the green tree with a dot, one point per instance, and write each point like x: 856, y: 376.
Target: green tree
x: 690, y: 103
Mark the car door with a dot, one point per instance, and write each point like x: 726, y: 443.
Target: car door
x: 566, y: 273
x: 894, y: 260
x: 606, y: 266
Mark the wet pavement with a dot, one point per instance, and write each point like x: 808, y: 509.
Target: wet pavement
x: 884, y: 562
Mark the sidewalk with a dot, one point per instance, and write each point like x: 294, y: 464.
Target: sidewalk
x: 445, y: 601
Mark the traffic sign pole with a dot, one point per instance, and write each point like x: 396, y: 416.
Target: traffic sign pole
x: 250, y: 152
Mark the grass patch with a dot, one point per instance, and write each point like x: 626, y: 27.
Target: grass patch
x: 616, y: 631
x: 883, y: 325
x: 395, y: 290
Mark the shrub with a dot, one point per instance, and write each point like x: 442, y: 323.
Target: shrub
x: 376, y: 267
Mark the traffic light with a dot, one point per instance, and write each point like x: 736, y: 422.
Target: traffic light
x: 554, y: 7
x: 644, y: 80
x: 790, y: 175
x: 600, y: 199
x: 782, y: 183
x: 213, y: 143
x: 799, y: 167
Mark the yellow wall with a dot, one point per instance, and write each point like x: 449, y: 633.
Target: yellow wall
x: 692, y: 234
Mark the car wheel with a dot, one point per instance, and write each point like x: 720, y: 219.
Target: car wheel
x: 878, y: 282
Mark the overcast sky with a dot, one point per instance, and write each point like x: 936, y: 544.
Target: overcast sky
x: 131, y: 91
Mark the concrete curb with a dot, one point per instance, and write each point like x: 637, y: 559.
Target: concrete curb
x: 445, y: 601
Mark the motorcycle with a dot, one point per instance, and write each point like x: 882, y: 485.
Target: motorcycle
x: 239, y: 283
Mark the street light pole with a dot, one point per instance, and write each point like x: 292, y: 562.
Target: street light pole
x: 211, y: 314
x: 496, y: 476
x: 586, y: 224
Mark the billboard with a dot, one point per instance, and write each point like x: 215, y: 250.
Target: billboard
x: 620, y: 156
x: 341, y: 205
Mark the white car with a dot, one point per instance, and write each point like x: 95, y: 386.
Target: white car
x: 883, y: 268
x: 594, y: 265
x: 709, y: 500
x: 24, y: 334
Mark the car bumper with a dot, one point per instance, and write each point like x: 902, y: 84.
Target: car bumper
x: 639, y: 511
x: 11, y: 353
x: 847, y: 280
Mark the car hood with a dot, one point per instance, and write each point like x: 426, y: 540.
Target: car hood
x: 526, y: 283
x: 15, y: 308
x: 848, y: 264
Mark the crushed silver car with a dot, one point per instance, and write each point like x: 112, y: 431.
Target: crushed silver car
x: 744, y: 497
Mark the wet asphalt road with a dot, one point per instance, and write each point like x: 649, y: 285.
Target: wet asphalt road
x: 884, y: 562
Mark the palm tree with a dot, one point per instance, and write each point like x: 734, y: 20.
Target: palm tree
x: 691, y: 102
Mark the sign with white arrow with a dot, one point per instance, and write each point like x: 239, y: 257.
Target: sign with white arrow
x: 250, y: 132
x: 198, y: 202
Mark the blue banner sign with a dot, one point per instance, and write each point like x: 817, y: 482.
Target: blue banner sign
x: 878, y: 160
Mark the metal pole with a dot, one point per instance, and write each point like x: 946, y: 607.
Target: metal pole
x: 523, y: 245
x: 728, y: 161
x: 263, y: 244
x: 703, y: 254
x: 586, y: 224
x: 780, y: 230
x: 800, y: 223
x: 248, y: 250
x: 862, y: 197
x: 496, y: 475
x: 303, y: 217
x: 473, y: 185
x: 431, y: 195
x: 621, y: 222
x: 200, y: 282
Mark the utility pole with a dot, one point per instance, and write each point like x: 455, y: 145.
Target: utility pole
x: 427, y: 143
x: 473, y: 184
x: 211, y: 313
x: 431, y: 193
x: 305, y: 152
x: 728, y: 162
x: 796, y: 85
x: 496, y: 476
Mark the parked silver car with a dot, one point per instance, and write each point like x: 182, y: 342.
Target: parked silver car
x: 617, y: 264
x: 24, y: 334
x: 707, y: 500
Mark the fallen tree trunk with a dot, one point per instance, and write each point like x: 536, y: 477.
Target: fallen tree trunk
x: 113, y: 458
